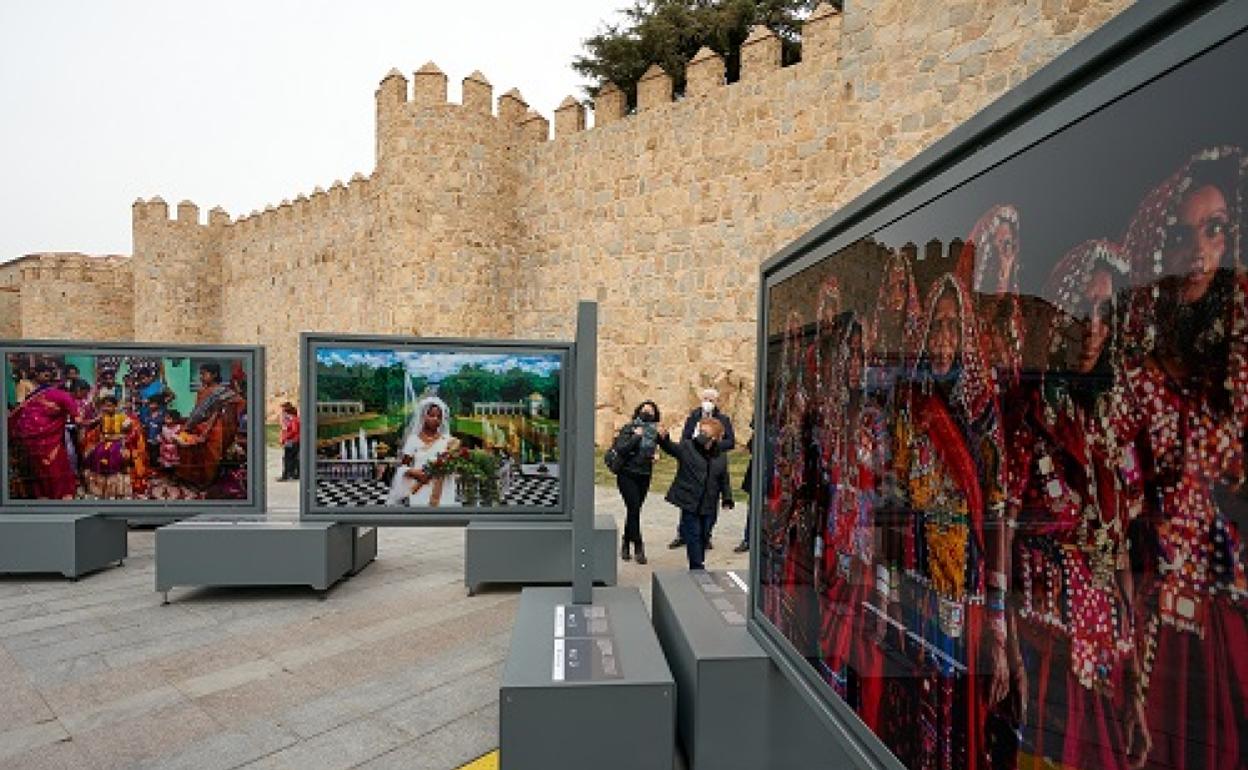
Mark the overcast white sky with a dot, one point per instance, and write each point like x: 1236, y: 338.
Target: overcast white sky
x: 238, y: 103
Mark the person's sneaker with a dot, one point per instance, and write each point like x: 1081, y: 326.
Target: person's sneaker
x: 641, y: 555
x: 677, y: 543
x: 708, y: 544
x: 742, y: 547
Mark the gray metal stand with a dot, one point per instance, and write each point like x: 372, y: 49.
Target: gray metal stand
x: 735, y: 709
x: 608, y: 720
x: 533, y: 552
x: 585, y: 683
x: 72, y: 544
x: 222, y: 551
x: 364, y: 548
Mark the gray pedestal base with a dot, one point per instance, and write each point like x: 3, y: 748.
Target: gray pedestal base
x: 735, y: 708
x: 72, y: 544
x: 532, y: 553
x: 721, y: 674
x: 220, y: 551
x: 626, y: 723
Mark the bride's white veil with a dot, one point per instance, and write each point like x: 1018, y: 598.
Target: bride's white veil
x: 417, y: 422
x: 399, y: 486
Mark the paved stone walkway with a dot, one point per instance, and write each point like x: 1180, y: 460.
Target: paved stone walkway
x: 398, y: 667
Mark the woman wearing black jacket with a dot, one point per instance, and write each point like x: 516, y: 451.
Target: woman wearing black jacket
x: 701, y: 484
x: 636, y: 443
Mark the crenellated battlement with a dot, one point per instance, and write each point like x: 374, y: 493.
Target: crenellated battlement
x: 319, y: 202
x: 479, y: 220
x: 69, y: 265
x: 399, y: 100
x: 155, y: 213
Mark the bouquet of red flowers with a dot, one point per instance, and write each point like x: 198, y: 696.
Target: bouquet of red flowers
x: 453, y: 462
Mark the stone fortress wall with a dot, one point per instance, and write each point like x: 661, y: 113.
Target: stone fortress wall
x: 476, y: 223
x: 58, y: 295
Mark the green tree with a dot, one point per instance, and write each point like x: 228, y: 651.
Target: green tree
x: 548, y: 386
x: 670, y: 32
x: 516, y: 385
x: 470, y: 384
x: 380, y: 389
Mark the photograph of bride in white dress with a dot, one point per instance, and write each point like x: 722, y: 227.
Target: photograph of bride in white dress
x: 436, y: 429
x: 427, y: 439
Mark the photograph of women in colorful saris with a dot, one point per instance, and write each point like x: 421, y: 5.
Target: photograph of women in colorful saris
x: 95, y: 427
x: 37, y: 428
x: 210, y: 428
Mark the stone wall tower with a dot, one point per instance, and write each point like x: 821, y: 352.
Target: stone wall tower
x: 177, y: 273
x: 446, y: 187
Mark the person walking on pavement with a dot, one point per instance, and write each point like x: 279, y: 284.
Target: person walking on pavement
x: 708, y: 409
x: 701, y: 485
x: 637, y: 443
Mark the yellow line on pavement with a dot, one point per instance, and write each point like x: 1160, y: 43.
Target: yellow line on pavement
x: 487, y: 762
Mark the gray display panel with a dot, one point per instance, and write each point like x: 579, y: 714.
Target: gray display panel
x: 131, y: 429
x: 425, y: 432
x: 998, y: 520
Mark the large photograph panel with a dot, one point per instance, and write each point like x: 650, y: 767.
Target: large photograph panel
x: 148, y: 426
x: 1004, y: 451
x: 437, y: 429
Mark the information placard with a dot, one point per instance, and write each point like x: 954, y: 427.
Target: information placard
x: 727, y: 592
x: 584, y: 649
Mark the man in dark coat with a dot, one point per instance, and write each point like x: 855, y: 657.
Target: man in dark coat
x: 701, y: 485
x: 708, y: 408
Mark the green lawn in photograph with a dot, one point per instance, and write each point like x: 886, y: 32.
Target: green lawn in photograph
x: 327, y: 430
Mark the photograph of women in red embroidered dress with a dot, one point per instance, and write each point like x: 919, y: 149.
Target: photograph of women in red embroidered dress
x: 1073, y: 491
x: 894, y: 325
x: 948, y: 463
x: 1188, y: 398
x: 857, y: 453
x: 821, y: 437
x: 789, y: 524
x: 989, y: 265
x: 1056, y: 572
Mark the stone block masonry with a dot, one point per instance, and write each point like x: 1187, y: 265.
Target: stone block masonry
x: 476, y: 223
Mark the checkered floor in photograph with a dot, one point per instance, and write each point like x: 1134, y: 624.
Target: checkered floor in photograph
x: 536, y: 491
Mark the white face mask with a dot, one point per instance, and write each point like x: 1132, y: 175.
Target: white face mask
x: 708, y: 406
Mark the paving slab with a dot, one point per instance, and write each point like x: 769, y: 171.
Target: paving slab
x: 397, y: 667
